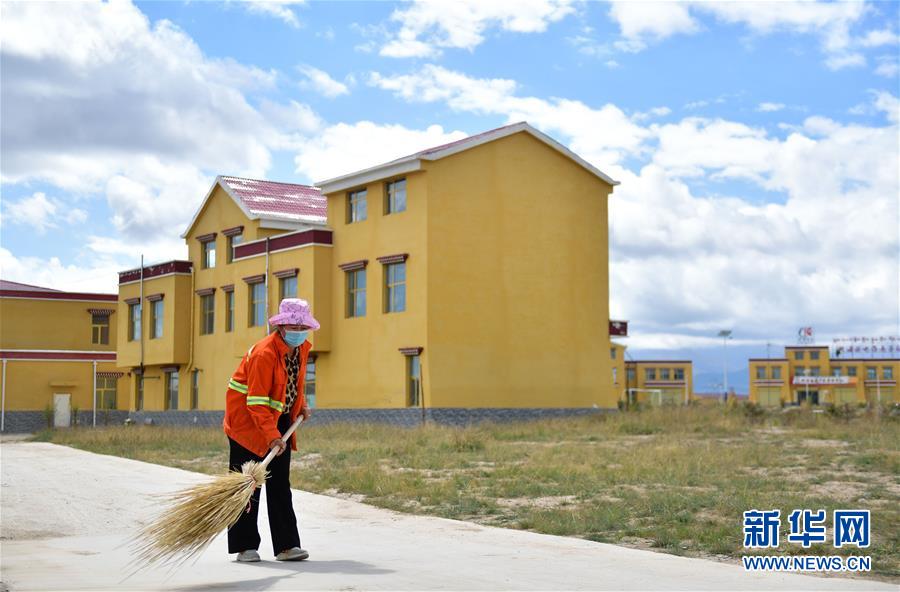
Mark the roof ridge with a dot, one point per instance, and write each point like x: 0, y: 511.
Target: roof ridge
x: 266, y: 181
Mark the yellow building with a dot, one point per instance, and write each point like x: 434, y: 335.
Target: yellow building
x: 658, y: 382
x: 469, y: 276
x: 58, y: 352
x: 807, y: 374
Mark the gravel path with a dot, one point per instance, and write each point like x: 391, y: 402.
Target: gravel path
x: 66, y: 517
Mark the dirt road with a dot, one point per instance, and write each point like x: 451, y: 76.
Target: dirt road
x: 66, y: 517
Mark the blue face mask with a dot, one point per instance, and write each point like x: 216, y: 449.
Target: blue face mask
x: 295, y: 338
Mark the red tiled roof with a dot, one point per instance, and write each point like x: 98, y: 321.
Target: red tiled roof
x: 269, y: 199
x: 8, y: 285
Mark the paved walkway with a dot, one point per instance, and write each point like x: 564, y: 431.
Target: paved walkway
x: 66, y: 517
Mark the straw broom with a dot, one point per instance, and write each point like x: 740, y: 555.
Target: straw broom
x: 198, y: 514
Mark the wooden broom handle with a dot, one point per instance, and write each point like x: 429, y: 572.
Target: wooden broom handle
x: 284, y: 438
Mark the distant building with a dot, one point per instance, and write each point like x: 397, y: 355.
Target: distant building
x: 659, y: 382
x: 807, y: 374
x: 58, y: 352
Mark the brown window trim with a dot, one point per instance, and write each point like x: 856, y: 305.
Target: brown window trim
x: 103, y: 312
x: 235, y: 230
x: 287, y: 273
x: 206, y: 238
x: 228, y: 288
x: 155, y: 297
x: 130, y: 301
x: 255, y: 279
x: 354, y: 265
x: 390, y: 259
x: 411, y: 351
x: 205, y: 291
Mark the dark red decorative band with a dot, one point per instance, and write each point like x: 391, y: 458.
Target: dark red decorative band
x: 205, y: 238
x: 155, y: 297
x: 411, y: 351
x: 286, y: 273
x: 133, y: 300
x: 205, y: 291
x: 228, y: 288
x: 60, y: 355
x: 233, y: 231
x: 57, y: 295
x: 151, y: 271
x: 389, y: 259
x: 354, y: 265
x: 104, y: 312
x: 110, y: 374
x: 284, y: 241
x: 657, y: 361
x: 255, y: 279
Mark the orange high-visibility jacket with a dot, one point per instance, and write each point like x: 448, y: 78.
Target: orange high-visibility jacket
x: 256, y: 394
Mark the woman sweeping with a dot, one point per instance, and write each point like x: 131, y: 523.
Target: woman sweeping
x: 265, y: 396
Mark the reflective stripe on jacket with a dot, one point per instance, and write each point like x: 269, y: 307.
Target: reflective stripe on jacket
x: 256, y: 394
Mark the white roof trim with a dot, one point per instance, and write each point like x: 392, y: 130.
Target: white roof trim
x: 390, y: 169
x: 414, y: 161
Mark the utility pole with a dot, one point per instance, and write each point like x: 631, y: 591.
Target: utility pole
x: 725, y: 334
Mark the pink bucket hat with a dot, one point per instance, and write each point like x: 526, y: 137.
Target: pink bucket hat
x: 294, y: 311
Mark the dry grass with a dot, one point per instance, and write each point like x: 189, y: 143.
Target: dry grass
x: 675, y: 480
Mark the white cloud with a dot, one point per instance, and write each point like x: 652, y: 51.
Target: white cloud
x: 639, y: 21
x: 620, y: 136
x: 654, y: 112
x: 343, y: 148
x: 322, y: 83
x: 427, y: 26
x: 845, y: 60
x: 770, y: 107
x: 888, y: 66
x: 42, y: 213
x: 280, y: 9
x: 879, y: 38
x: 100, y: 275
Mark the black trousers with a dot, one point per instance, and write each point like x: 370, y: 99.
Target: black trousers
x: 282, y: 521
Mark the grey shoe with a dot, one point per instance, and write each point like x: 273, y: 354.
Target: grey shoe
x: 248, y: 556
x: 293, y: 554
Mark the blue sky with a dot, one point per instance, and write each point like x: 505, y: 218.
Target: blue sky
x: 756, y: 143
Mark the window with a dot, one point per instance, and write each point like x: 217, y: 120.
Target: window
x: 207, y: 314
x: 615, y: 376
x: 233, y: 241
x: 612, y: 353
x: 356, y: 293
x: 208, y: 254
x: 760, y: 372
x: 106, y: 392
x: 679, y: 373
x: 171, y: 390
x: 835, y: 370
x: 287, y: 287
x: 396, y: 197
x: 100, y: 329
x: 195, y: 389
x: 134, y: 322
x: 776, y: 372
x: 395, y: 287
x: 813, y: 355
x: 630, y: 375
x: 257, y: 304
x: 887, y: 373
x: 815, y: 371
x: 156, y: 319
x: 229, y: 312
x: 871, y: 373
x: 798, y: 355
x: 649, y: 373
x: 139, y: 393
x: 664, y: 374
x: 309, y: 382
x: 413, y: 381
x: 851, y: 370
x: 356, y: 206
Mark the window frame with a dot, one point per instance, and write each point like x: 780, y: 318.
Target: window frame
x: 678, y: 374
x: 390, y: 287
x: 231, y: 242
x: 851, y: 371
x: 761, y: 373
x: 253, y: 302
x: 171, y: 377
x: 798, y: 354
x: 353, y: 293
x: 390, y: 197
x: 649, y: 374
x: 309, y: 382
x: 414, y: 396
x: 134, y: 321
x: 103, y: 392
x: 195, y: 389
x: 229, y: 311
x: 208, y: 254
x: 283, y: 282
x: 97, y: 328
x: 156, y: 317
x: 207, y: 317
x: 776, y: 372
x: 814, y: 355
x: 887, y: 373
x: 357, y: 206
